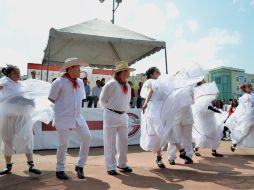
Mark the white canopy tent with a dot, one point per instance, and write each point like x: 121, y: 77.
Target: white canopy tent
x: 100, y: 44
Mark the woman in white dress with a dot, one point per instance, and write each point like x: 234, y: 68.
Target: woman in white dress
x: 153, y: 128
x: 17, y: 116
x: 241, y: 122
x: 208, y: 127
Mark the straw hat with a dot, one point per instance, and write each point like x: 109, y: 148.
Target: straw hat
x: 72, y: 62
x: 122, y: 66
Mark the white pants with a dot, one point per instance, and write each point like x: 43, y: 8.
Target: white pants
x: 115, y: 141
x: 63, y: 139
x: 185, y: 135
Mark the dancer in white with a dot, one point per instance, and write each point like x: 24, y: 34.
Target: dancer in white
x: 67, y: 93
x: 157, y: 121
x: 151, y: 128
x: 115, y: 99
x: 18, y: 113
x: 185, y: 80
x: 208, y: 127
x: 241, y: 122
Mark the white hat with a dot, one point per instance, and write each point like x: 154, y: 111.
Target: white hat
x: 122, y: 66
x: 72, y: 62
x: 193, y: 74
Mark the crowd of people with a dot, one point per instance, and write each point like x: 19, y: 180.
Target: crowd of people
x: 92, y: 96
x: 176, y: 111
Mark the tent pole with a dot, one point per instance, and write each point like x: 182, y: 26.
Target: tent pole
x: 47, y: 79
x: 166, y: 60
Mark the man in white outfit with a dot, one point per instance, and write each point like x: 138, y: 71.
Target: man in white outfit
x: 115, y: 99
x: 67, y: 93
x: 184, y: 123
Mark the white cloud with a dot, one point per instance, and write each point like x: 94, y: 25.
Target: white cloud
x: 179, y: 31
x: 192, y: 25
x: 145, y: 18
x: 172, y: 10
x: 204, y: 51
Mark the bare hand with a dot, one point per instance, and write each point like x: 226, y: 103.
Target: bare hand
x: 144, y: 107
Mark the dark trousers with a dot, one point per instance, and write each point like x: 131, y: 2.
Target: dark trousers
x: 139, y: 102
x: 92, y: 100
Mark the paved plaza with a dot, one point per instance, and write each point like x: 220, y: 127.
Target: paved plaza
x: 233, y: 171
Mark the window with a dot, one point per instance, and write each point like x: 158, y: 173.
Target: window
x: 217, y: 80
x: 245, y: 79
x: 252, y: 80
x: 237, y: 88
x: 237, y: 79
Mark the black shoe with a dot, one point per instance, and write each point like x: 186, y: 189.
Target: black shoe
x: 6, y: 170
x: 188, y: 161
x: 171, y: 162
x: 184, y: 156
x: 233, y: 147
x: 62, y: 175
x: 126, y: 169
x: 32, y: 169
x: 80, y: 172
x: 215, y: 154
x: 112, y: 172
x: 160, y: 162
x: 195, y: 150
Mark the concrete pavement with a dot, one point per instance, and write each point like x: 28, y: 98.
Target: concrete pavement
x: 233, y: 171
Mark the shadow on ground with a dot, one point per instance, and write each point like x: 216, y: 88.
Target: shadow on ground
x: 48, y: 181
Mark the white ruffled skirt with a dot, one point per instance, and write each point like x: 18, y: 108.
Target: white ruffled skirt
x: 241, y: 125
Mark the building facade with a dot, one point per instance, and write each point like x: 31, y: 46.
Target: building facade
x: 228, y: 80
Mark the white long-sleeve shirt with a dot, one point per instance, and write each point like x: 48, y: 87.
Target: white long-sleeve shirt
x: 113, y: 97
x: 68, y: 103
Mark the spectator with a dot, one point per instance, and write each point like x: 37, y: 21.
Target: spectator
x: 231, y: 109
x: 102, y: 82
x: 225, y: 105
x: 95, y: 95
x: 132, y: 102
x: 139, y: 98
x: 219, y: 105
x: 33, y: 74
x: 87, y: 91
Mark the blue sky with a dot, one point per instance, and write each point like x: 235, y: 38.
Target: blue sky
x: 210, y: 32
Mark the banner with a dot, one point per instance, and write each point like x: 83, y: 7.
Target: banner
x: 45, y: 136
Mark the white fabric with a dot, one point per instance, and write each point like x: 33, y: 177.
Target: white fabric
x: 113, y: 97
x: 115, y: 142
x: 184, y: 122
x: 241, y: 122
x: 115, y: 131
x: 99, y: 43
x: 18, y: 112
x: 176, y: 101
x: 68, y: 103
x: 151, y: 127
x: 63, y: 140
x: 207, y: 130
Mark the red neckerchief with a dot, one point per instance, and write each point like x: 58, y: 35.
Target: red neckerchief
x: 123, y: 84
x: 74, y: 81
